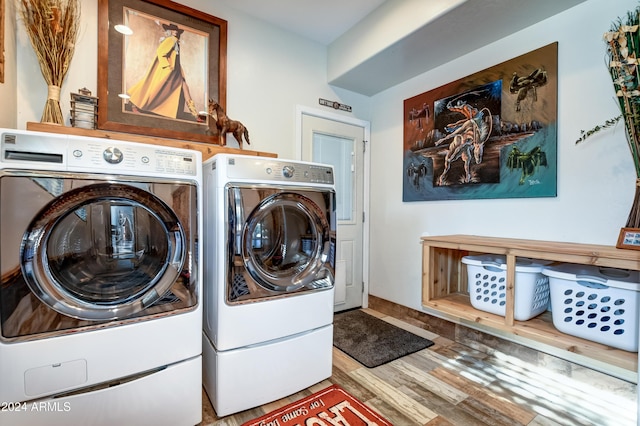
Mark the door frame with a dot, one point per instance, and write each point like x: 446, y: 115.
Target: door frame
x: 366, y: 126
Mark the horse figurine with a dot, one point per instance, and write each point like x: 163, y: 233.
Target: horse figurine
x: 225, y: 125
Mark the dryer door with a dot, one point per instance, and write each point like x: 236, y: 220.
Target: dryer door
x: 284, y: 242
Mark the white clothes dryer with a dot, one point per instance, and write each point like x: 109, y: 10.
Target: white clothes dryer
x: 269, y: 261
x: 100, y: 311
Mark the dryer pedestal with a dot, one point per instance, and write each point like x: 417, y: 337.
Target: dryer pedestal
x: 240, y: 379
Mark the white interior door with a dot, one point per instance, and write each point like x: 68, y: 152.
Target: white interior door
x: 342, y: 145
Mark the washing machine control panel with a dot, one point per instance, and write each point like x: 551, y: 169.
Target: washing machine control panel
x: 122, y: 157
x: 277, y: 170
x: 30, y: 150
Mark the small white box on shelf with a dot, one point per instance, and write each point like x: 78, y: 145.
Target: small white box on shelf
x: 487, y: 283
x: 596, y: 303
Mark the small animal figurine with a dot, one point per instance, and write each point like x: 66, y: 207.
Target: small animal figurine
x: 225, y: 125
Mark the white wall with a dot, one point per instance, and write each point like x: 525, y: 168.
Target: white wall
x: 8, y: 91
x: 269, y: 72
x: 595, y: 179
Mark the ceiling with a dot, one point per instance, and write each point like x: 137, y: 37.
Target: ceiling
x: 319, y: 20
x: 410, y: 37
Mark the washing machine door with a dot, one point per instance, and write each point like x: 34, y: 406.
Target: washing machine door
x: 102, y: 252
x: 82, y: 251
x: 283, y: 242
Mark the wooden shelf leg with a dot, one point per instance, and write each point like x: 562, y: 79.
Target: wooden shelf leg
x: 511, y: 280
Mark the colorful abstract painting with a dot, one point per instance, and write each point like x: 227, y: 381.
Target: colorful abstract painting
x: 492, y: 134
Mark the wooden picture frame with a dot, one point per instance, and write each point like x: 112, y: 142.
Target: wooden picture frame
x: 2, y: 13
x: 629, y: 238
x: 135, y: 93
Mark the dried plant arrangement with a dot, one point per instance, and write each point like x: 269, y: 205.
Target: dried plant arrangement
x: 622, y: 59
x: 52, y: 26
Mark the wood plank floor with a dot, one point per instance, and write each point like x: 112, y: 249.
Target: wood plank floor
x: 452, y: 384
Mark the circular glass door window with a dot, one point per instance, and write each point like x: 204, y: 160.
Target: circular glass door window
x: 103, y: 252
x: 285, y: 242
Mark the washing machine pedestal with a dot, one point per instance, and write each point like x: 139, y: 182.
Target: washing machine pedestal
x: 244, y: 378
x: 169, y: 397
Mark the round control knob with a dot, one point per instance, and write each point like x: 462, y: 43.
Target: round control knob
x: 112, y: 155
x: 287, y: 171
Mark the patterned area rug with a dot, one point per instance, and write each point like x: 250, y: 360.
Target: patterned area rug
x: 332, y: 405
x: 372, y: 341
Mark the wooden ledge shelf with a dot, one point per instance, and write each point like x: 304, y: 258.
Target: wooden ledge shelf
x: 445, y: 294
x: 208, y: 150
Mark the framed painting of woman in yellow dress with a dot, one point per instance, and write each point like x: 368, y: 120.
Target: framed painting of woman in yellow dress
x: 159, y: 63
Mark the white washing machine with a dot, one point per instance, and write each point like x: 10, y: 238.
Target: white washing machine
x: 269, y: 261
x: 100, y: 310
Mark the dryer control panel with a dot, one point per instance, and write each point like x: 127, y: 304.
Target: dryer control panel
x: 269, y: 169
